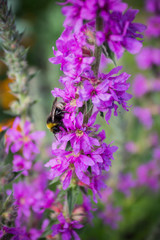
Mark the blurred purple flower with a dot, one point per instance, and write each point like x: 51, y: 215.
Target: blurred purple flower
x: 106, y: 194
x: 18, y: 233
x: 153, y: 27
x: 148, y: 175
x: 21, y: 137
x: 148, y: 57
x: 21, y: 164
x: 32, y: 196
x: 153, y: 6
x: 139, y: 86
x: 125, y: 183
x: 111, y: 215
x: 156, y: 153
x: 66, y: 228
x: 153, y: 139
x: 131, y: 147
x: 144, y: 115
x: 155, y: 85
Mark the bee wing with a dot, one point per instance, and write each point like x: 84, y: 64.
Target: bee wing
x: 54, y: 108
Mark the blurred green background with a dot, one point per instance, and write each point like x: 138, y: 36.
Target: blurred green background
x: 42, y: 23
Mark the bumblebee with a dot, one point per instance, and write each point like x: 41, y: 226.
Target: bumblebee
x: 54, y: 120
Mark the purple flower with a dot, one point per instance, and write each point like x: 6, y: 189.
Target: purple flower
x: 153, y: 6
x: 21, y: 193
x: 153, y: 27
x: 153, y: 139
x: 125, y: 183
x: 79, y: 133
x: 156, y: 153
x: 18, y: 233
x: 87, y: 10
x: 32, y: 196
x: 21, y: 164
x: 111, y: 215
x: 69, y: 96
x: 83, y: 213
x: 106, y: 90
x: 140, y: 86
x: 155, y: 85
x: 71, y: 53
x: 20, y: 137
x: 66, y: 228
x: 148, y: 175
x: 148, y: 57
x: 68, y: 164
x: 144, y: 115
x: 96, y: 185
x: 106, y: 194
x: 121, y: 33
x: 86, y: 153
x: 131, y: 147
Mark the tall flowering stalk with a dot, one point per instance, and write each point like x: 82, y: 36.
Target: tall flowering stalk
x: 81, y: 157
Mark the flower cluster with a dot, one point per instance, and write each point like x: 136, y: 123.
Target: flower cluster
x: 88, y: 156
x: 23, y: 143
x: 80, y: 155
x: 118, y: 29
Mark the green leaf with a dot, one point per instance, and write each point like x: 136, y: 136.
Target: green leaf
x: 72, y: 194
x: 54, y: 181
x: 14, y: 176
x: 108, y: 53
x: 53, y: 184
x: 83, y: 190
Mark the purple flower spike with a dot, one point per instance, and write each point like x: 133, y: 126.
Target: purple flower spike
x: 20, y: 138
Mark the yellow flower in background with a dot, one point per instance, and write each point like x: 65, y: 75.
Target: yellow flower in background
x: 5, y: 94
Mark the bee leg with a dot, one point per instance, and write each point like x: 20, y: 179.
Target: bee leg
x: 55, y: 137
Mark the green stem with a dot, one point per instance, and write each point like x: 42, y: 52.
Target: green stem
x: 98, y: 49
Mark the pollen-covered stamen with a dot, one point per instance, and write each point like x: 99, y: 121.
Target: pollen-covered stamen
x: 93, y: 92
x: 71, y: 166
x: 26, y: 139
x: 79, y: 133
x: 73, y: 102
